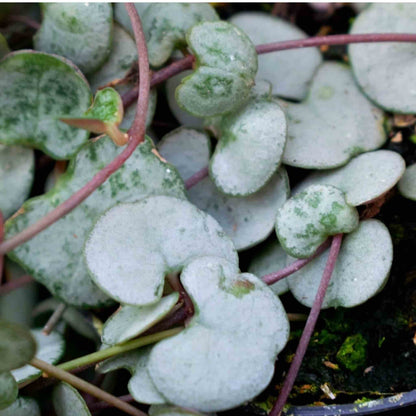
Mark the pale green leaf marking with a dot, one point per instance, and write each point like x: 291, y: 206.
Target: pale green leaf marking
x: 16, y: 177
x: 364, y: 178
x: 81, y: 32
x: 225, y: 341
x: 308, y: 218
x: 8, y: 390
x: 50, y: 348
x: 22, y: 406
x: 361, y: 270
x: 66, y: 277
x: 384, y: 71
x: 290, y: 72
x: 407, y: 184
x: 17, y: 346
x: 68, y: 402
x: 36, y: 89
x: 335, y: 123
x: 141, y: 242
x: 131, y: 321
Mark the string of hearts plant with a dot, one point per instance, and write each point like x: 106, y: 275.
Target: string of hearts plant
x: 157, y: 229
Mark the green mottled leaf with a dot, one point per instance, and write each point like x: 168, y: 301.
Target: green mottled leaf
x: 35, y: 90
x: 140, y: 386
x: 16, y: 177
x: 122, y: 17
x: 187, y: 149
x: 407, y: 184
x: 161, y: 410
x: 79, y: 321
x: 81, y: 32
x: 8, y: 390
x: 50, y: 348
x: 123, y: 55
x: 17, y: 346
x: 181, y: 115
x: 384, y: 71
x: 67, y: 277
x: 335, y: 123
x: 226, y: 62
x: 131, y: 321
x: 307, y: 219
x: 361, y: 270
x: 150, y: 238
x: 22, y: 406
x: 226, y: 340
x: 4, y: 47
x: 290, y: 72
x: 248, y: 220
x: 104, y: 116
x: 68, y: 402
x: 165, y: 26
x: 362, y: 179
x: 270, y: 258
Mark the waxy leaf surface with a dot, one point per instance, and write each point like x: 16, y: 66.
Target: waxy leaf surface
x: 335, y: 123
x: 407, y: 184
x: 141, y: 242
x: 384, y: 70
x: 226, y: 62
x: 36, y: 89
x: 290, y: 72
x: 225, y: 343
x: 8, y: 389
x: 81, y: 32
x: 66, y: 276
x: 68, y: 402
x: 361, y: 270
x: 164, y: 410
x: 16, y: 177
x: 22, y: 406
x: 308, y: 218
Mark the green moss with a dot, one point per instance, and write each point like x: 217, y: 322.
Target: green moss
x: 353, y: 352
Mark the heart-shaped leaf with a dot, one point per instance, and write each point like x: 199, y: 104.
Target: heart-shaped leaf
x: 226, y: 343
x: 361, y: 270
x: 335, y: 123
x: 187, y: 149
x: 140, y: 386
x: 123, y: 55
x: 362, y: 179
x: 162, y: 410
x: 81, y: 32
x: 8, y: 390
x: 141, y: 242
x: 50, y: 349
x: 269, y: 259
x: 68, y: 402
x: 130, y: 321
x: 226, y: 62
x: 166, y: 24
x: 16, y: 177
x: 104, y: 116
x: 35, y: 90
x: 384, y: 70
x: 22, y: 406
x: 307, y: 219
x: 290, y: 72
x: 67, y: 278
x: 407, y: 184
x: 17, y: 346
x: 181, y: 115
x: 4, y: 47
x: 251, y: 145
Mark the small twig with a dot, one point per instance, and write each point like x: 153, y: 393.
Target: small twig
x: 101, y: 355
x: 94, y: 407
x: 86, y: 387
x: 309, y: 327
x: 188, y: 306
x: 196, y: 177
x: 54, y: 319
x: 297, y: 317
x: 15, y: 284
x: 271, y: 278
x: 25, y: 20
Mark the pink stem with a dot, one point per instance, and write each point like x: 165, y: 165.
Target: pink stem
x: 196, y: 177
x: 15, y: 284
x: 309, y: 327
x: 271, y: 278
x: 136, y: 136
